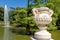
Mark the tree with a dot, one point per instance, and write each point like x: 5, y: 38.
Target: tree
x: 18, y: 17
x: 58, y: 22
x: 1, y: 13
x: 28, y: 27
x: 52, y: 5
x: 31, y: 4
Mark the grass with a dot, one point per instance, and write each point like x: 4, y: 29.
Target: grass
x: 14, y: 36
x: 55, y: 35
x: 21, y: 37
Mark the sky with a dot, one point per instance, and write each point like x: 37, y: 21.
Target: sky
x: 13, y: 3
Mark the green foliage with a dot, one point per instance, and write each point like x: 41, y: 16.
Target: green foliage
x: 54, y: 5
x: 18, y: 17
x: 1, y: 13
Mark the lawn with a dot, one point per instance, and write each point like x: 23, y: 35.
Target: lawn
x: 14, y: 36
x: 55, y: 35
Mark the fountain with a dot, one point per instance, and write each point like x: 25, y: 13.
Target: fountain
x: 42, y: 16
x: 7, y: 26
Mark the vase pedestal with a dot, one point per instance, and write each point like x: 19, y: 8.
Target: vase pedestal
x: 36, y: 39
x: 42, y: 34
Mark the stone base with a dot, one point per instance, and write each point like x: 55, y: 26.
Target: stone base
x: 32, y: 38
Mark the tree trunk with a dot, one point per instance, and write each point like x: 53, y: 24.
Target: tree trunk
x: 28, y: 29
x: 28, y: 26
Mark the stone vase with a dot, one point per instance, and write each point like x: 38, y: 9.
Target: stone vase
x: 42, y: 16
